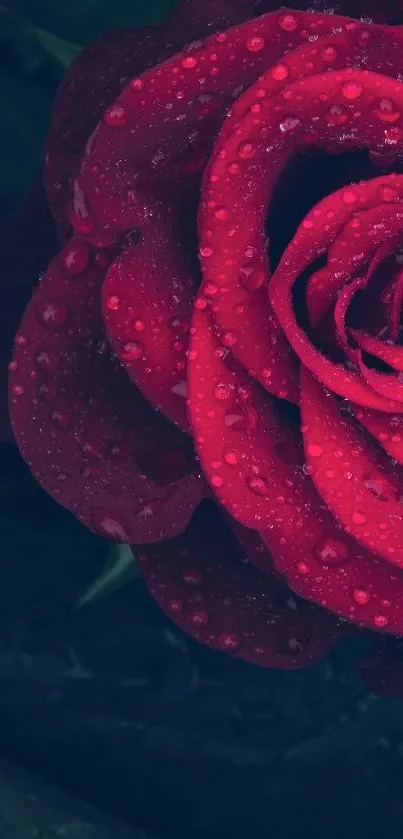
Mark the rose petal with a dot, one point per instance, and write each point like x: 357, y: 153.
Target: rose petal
x: 389, y: 353
x: 267, y: 125
x: 95, y: 78
x: 148, y: 323
x: 88, y: 435
x: 195, y: 88
x: 252, y: 462
x: 386, y: 428
x: 27, y: 243
x: 205, y: 584
x: 370, y: 227
x: 356, y: 483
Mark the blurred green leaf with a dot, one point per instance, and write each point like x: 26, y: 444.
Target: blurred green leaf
x: 14, y: 25
x: 80, y: 21
x: 119, y: 570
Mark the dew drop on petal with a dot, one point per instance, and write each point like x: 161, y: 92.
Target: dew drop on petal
x: 358, y: 518
x: 197, y: 618
x: 288, y: 22
x: 74, y: 258
x: 246, y: 149
x: 258, y: 485
x: 352, y: 90
x: 116, y: 115
x: 228, y: 642
x: 132, y: 350
x: 361, y: 596
x: 380, y: 621
x: 331, y: 552
x: 52, y: 313
x: 314, y: 450
x: 255, y: 44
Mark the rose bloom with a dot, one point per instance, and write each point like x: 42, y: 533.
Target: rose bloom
x: 211, y: 367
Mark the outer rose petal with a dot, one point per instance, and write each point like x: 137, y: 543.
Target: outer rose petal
x: 87, y: 434
x: 148, y: 320
x: 253, y: 464
x: 114, y: 169
x: 27, y: 243
x: 205, y: 584
x: 94, y: 79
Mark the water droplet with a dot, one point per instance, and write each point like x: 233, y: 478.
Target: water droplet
x: 206, y: 251
x: 52, y: 313
x: 336, y: 115
x: 386, y: 110
x: 189, y: 62
x: 132, y: 350
x: 387, y: 193
x: 231, y: 456
x: 303, y: 567
x: 115, y: 115
x: 380, y: 621
x: 358, y: 518
x: 47, y: 360
x: 217, y: 481
x: 314, y: 450
x: 280, y: 72
x: 222, y: 392
x: 255, y: 44
x: 228, y: 642
x: 252, y: 278
x: 258, y: 485
x: 246, y: 150
x: 288, y: 22
x: 221, y: 213
x: 61, y: 419
x: 289, y: 123
x: 108, y: 525
x: 113, y: 303
x: 352, y: 90
x: 349, y: 197
x: 197, y: 618
x: 229, y: 339
x: 329, y: 53
x: 74, y: 258
x: 331, y: 552
x: 18, y: 390
x: 361, y: 596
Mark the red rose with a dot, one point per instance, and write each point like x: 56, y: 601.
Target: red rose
x: 266, y: 392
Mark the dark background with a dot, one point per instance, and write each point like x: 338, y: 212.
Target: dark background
x: 110, y: 700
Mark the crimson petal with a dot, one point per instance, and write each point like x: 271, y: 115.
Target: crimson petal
x: 386, y: 428
x: 27, y: 244
x: 147, y: 307
x: 95, y: 78
x: 253, y: 464
x: 356, y: 483
x: 206, y: 585
x: 87, y: 434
